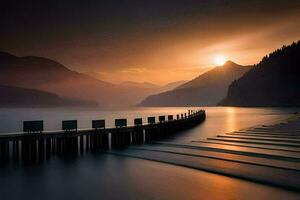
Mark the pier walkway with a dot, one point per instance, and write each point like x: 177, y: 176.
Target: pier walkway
x: 35, y: 144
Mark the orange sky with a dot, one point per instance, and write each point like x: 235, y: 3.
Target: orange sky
x: 149, y: 41
x: 188, y: 58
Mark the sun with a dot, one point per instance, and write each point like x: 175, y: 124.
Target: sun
x: 220, y: 60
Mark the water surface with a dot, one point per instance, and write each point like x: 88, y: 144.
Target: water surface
x: 105, y: 176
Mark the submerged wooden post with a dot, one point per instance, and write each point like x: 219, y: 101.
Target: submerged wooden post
x: 144, y: 136
x: 81, y: 143
x: 99, y: 128
x: 48, y: 148
x: 118, y: 138
x: 87, y: 142
x: 137, y: 134
x: 14, y: 149
x: 41, y: 148
x: 109, y: 141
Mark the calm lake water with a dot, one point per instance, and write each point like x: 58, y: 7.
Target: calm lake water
x: 104, y: 176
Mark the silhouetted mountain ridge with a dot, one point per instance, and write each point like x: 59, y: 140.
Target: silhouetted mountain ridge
x: 206, y: 89
x: 133, y: 84
x: 273, y: 82
x: 6, y: 56
x: 21, y: 97
x: 50, y: 76
x: 229, y: 71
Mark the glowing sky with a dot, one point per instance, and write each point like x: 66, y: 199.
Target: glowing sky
x: 157, y: 41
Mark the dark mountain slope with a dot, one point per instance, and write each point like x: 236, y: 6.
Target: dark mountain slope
x: 21, y: 97
x: 207, y: 89
x: 275, y: 81
x: 48, y: 75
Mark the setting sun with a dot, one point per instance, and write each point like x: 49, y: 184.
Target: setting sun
x: 220, y: 60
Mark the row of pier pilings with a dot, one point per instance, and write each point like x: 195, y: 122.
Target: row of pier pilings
x: 34, y: 145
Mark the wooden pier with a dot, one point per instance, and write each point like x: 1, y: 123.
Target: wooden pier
x: 34, y: 145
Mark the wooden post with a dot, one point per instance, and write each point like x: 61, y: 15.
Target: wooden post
x: 48, y: 148
x: 109, y: 141
x: 144, y: 136
x: 81, y: 144
x: 87, y: 143
x: 41, y: 149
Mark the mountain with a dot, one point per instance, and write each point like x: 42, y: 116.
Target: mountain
x: 139, y: 91
x: 172, y: 85
x: 132, y: 84
x: 21, y: 97
x: 144, y: 85
x: 50, y: 76
x: 207, y: 89
x: 150, y: 87
x: 273, y: 82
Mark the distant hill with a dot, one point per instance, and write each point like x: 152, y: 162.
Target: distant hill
x: 273, y: 82
x: 132, y: 84
x: 21, y: 97
x: 139, y: 91
x: 150, y: 87
x: 50, y: 76
x: 172, y: 85
x: 207, y: 89
x: 144, y: 85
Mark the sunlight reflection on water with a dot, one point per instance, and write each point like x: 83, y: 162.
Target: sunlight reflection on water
x: 98, y: 176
